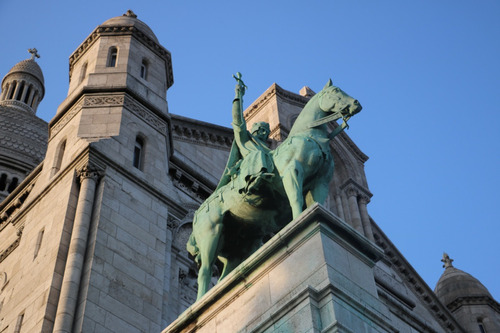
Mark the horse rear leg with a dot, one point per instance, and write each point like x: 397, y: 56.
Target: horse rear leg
x: 229, y: 266
x: 293, y: 177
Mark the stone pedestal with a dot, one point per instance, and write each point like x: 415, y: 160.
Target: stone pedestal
x: 315, y: 275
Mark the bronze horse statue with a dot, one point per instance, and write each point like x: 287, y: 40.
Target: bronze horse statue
x: 231, y: 225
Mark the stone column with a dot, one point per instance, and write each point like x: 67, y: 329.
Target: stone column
x: 352, y: 194
x: 25, y: 91
x: 35, y: 102
x: 340, y: 209
x: 4, y: 92
x: 76, y: 252
x: 365, y: 218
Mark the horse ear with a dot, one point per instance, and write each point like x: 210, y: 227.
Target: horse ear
x: 328, y: 84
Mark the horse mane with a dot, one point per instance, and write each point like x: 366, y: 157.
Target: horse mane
x: 299, y: 126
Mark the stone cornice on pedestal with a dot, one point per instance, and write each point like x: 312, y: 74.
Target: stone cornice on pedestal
x: 316, y: 219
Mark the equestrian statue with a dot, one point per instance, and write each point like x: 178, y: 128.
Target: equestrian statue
x: 261, y: 190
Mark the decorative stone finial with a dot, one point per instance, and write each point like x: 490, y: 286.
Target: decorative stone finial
x: 447, y: 261
x: 34, y: 53
x: 130, y: 13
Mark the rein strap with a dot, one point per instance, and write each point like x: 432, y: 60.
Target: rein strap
x: 327, y: 119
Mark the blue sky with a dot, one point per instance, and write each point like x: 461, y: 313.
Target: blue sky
x: 426, y: 72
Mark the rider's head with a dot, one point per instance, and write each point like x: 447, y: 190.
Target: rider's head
x: 261, y: 130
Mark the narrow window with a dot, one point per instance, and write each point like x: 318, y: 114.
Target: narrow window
x: 59, y: 157
x: 112, y: 56
x: 27, y: 96
x: 38, y: 242
x: 19, y: 323
x: 138, y: 153
x: 144, y: 69
x: 11, y: 95
x: 83, y: 72
x: 20, y: 92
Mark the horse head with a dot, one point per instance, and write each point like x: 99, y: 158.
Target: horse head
x: 333, y: 100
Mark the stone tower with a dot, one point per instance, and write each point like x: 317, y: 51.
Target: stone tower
x: 23, y: 136
x: 468, y: 299
x: 87, y: 232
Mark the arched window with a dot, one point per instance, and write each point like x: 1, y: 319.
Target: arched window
x: 58, y: 158
x: 83, y: 72
x: 138, y: 153
x: 13, y: 184
x: 144, y: 69
x: 481, y: 325
x: 112, y: 56
x: 3, y: 181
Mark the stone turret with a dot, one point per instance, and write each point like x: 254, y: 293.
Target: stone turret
x: 23, y: 136
x: 468, y: 299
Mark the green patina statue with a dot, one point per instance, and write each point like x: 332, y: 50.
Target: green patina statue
x: 261, y: 190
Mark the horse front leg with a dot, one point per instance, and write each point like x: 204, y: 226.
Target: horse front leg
x: 293, y: 177
x: 209, y: 247
x: 320, y: 187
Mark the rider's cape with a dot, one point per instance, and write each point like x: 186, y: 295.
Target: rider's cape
x: 234, y: 157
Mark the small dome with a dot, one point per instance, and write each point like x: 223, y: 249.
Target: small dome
x: 130, y: 19
x: 27, y: 66
x: 455, y: 283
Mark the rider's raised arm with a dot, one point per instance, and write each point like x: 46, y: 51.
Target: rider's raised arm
x: 241, y: 135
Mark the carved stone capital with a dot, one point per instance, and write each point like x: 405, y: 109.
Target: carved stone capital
x: 352, y: 188
x: 88, y: 171
x: 363, y: 199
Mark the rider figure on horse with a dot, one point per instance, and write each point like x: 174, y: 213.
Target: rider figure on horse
x: 250, y: 157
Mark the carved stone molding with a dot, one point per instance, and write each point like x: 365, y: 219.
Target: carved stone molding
x: 5, y: 253
x: 17, y: 105
x: 147, y: 115
x: 66, y: 118
x: 11, y: 209
x: 184, y: 132
x: 114, y: 100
